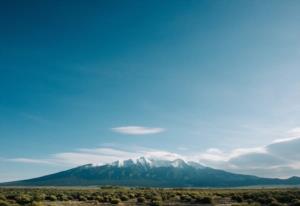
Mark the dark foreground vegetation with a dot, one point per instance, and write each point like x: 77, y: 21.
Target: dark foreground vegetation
x: 147, y: 196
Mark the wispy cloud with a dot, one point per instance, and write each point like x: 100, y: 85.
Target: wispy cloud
x: 138, y: 130
x: 280, y: 158
x: 29, y: 160
x: 100, y: 156
x: 292, y: 135
x: 97, y: 156
x: 277, y: 159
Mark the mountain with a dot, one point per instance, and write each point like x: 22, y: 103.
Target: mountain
x: 147, y: 172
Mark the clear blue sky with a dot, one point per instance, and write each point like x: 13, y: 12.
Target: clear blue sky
x: 199, y: 79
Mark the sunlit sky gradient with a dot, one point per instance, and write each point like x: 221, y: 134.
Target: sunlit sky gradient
x: 95, y: 81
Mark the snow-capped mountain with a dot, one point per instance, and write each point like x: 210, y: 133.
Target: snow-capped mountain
x: 151, y: 172
x: 154, y: 162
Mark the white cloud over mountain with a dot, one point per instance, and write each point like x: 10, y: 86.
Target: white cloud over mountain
x: 281, y: 158
x: 29, y: 160
x: 278, y: 159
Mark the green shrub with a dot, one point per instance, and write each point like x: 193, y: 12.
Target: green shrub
x: 99, y: 198
x: 131, y: 195
x: 147, y: 195
x: 155, y: 203
x: 141, y: 200
x: 204, y: 200
x: 34, y: 203
x: 124, y: 198
x: 107, y: 198
x: 295, y: 203
x: 246, y: 204
x: 275, y: 203
x: 4, y: 203
x: 114, y: 201
x: 156, y: 198
x: 237, y: 198
x: 62, y: 197
x: 185, y: 198
x: 23, y: 199
x: 82, y: 198
x: 51, y: 198
x: 285, y: 198
x: 39, y: 197
x: 266, y: 200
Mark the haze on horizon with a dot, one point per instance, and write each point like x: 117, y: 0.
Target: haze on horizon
x: 215, y: 82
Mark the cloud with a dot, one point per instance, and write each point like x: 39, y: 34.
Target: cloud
x: 288, y: 149
x: 29, y: 160
x: 217, y: 155
x: 280, y: 158
x: 277, y: 159
x: 108, y: 151
x: 293, y: 134
x: 81, y: 158
x: 98, y: 156
x: 256, y: 160
x: 158, y: 154
x: 138, y: 130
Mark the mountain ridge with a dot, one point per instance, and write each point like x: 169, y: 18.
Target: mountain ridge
x: 147, y: 172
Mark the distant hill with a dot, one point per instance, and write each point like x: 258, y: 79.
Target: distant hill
x: 146, y: 172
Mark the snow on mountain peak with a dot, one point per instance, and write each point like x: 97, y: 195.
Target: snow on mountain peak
x: 155, y: 162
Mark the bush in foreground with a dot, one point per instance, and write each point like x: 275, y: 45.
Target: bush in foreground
x: 4, y: 203
x: 141, y: 200
x: 34, y: 203
x: 155, y: 203
x: 114, y: 201
x: 23, y: 199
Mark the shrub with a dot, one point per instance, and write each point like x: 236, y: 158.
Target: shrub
x: 156, y: 198
x: 295, y: 203
x: 62, y: 197
x: 107, y: 198
x: 275, y: 203
x: 99, y: 198
x: 155, y: 203
x: 34, y: 203
x: 124, y: 198
x: 141, y: 200
x: 246, y: 204
x: 265, y: 200
x: 204, y: 200
x: 131, y: 195
x: 139, y: 194
x: 114, y: 201
x: 23, y: 199
x: 185, y: 198
x: 148, y: 195
x: 237, y: 198
x: 39, y: 197
x: 82, y: 198
x: 51, y: 198
x: 286, y: 198
x: 4, y: 203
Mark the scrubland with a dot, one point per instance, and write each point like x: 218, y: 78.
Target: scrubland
x: 147, y: 196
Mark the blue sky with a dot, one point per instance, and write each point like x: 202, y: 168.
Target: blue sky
x: 93, y: 81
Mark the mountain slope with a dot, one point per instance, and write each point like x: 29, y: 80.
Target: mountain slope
x: 152, y: 173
